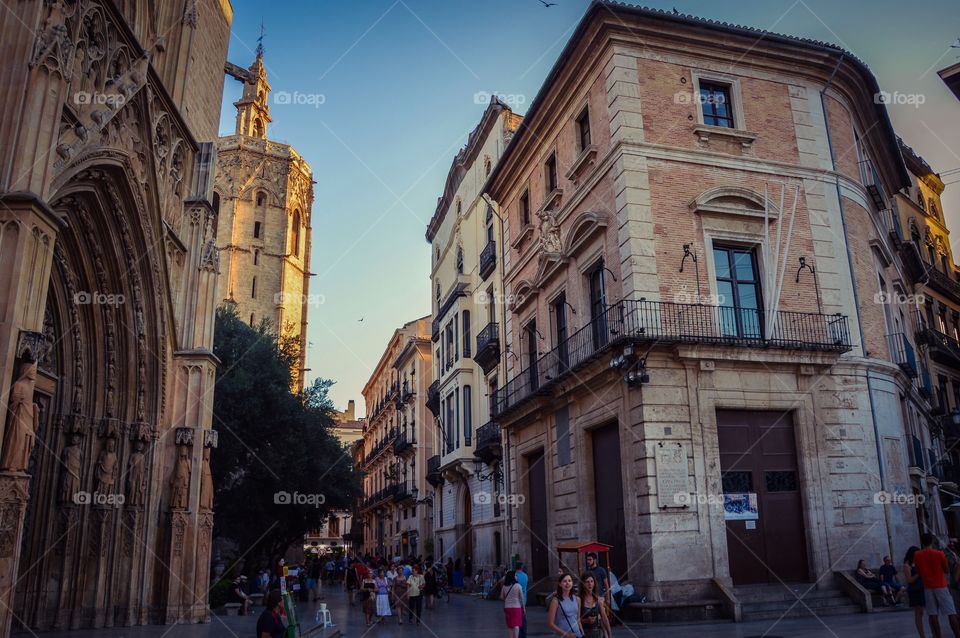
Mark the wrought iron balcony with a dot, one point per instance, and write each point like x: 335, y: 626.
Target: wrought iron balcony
x: 489, y: 443
x: 434, y: 477
x: 404, y: 443
x: 661, y: 323
x: 433, y: 398
x: 488, y: 347
x: 942, y: 282
x: 382, y: 445
x: 943, y: 349
x: 871, y: 180
x: 902, y: 354
x: 890, y: 220
x: 488, y: 259
x: 402, y: 494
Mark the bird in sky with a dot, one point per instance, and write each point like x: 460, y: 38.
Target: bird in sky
x: 360, y: 320
x: 548, y: 4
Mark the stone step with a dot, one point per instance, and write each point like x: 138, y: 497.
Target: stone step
x: 801, y: 612
x: 764, y: 593
x: 807, y: 602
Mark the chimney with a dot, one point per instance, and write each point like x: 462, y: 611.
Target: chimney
x: 351, y: 410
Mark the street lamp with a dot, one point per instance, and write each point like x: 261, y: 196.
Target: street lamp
x: 427, y: 500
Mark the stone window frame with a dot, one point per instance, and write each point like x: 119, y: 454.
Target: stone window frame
x: 736, y: 95
x: 730, y: 237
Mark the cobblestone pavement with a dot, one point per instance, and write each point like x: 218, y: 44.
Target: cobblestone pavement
x: 469, y: 617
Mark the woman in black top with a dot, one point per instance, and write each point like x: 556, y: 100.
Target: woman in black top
x: 593, y: 616
x: 430, y: 586
x: 270, y: 624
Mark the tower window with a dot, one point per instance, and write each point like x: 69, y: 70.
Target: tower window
x: 295, y: 244
x: 256, y: 258
x: 261, y: 200
x: 253, y: 289
x: 257, y: 228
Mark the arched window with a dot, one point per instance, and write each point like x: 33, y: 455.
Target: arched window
x: 920, y: 199
x: 932, y: 208
x: 258, y: 128
x: 216, y: 203
x: 261, y: 199
x: 295, y: 235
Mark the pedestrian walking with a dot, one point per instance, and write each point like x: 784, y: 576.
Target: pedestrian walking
x: 383, y: 595
x: 915, y: 596
x: 415, y: 587
x: 399, y: 590
x: 351, y: 582
x: 523, y: 580
x: 593, y: 614
x: 563, y: 615
x: 368, y: 598
x: 430, y: 586
x: 932, y: 565
x: 513, y: 604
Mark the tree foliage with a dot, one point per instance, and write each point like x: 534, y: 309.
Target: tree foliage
x: 278, y: 470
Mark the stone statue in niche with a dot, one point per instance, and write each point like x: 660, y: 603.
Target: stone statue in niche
x: 70, y: 484
x: 22, y: 422
x: 180, y: 481
x: 136, y: 473
x: 107, y: 468
x: 206, y: 482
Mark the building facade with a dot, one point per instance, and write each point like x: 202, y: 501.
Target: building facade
x: 108, y: 271
x: 264, y: 191
x: 467, y: 247
x: 395, y: 447
x: 709, y: 376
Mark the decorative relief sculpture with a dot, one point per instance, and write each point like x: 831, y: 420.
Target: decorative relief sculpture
x: 22, y: 422
x: 72, y: 460
x: 549, y: 233
x: 136, y: 475
x: 107, y: 468
x: 206, y: 482
x: 180, y: 480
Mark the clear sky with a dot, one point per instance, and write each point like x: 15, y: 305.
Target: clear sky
x: 382, y: 96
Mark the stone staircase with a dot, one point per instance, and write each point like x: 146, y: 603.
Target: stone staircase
x: 766, y: 602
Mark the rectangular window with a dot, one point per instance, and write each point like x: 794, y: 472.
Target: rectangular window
x: 456, y: 338
x: 598, y: 307
x: 456, y: 398
x: 583, y: 129
x: 530, y: 333
x: 256, y: 230
x: 491, y: 306
x: 253, y: 289
x: 450, y: 424
x: 560, y: 332
x: 525, y: 208
x: 467, y: 415
x: 550, y: 173
x: 716, y: 104
x: 466, y: 334
x: 738, y: 289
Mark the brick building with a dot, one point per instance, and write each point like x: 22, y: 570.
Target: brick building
x: 709, y: 376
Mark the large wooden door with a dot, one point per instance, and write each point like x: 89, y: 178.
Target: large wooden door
x: 758, y: 455
x: 608, y: 496
x: 539, y: 552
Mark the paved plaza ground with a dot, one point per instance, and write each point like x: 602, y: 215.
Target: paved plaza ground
x: 468, y: 617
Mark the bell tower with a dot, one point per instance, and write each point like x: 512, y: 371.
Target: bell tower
x: 253, y: 110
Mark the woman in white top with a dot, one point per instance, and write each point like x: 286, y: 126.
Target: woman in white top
x: 563, y: 615
x: 513, y: 604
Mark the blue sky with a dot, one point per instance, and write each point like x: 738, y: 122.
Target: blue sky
x: 383, y: 95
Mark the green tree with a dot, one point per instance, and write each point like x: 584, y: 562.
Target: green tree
x: 278, y: 470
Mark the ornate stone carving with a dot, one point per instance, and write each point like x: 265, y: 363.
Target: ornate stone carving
x: 180, y: 479
x: 550, y: 243
x: 22, y: 422
x: 184, y: 436
x: 178, y: 525
x: 72, y: 461
x: 206, y: 482
x: 136, y: 475
x: 53, y: 47
x: 106, y: 469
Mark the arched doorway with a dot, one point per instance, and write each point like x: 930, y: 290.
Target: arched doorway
x: 464, y: 543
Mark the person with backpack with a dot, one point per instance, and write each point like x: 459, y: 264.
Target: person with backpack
x: 513, y: 604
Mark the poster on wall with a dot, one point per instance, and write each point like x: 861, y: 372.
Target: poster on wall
x: 740, y: 507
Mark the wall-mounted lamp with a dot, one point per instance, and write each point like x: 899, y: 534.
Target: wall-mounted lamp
x: 816, y: 285
x: 613, y: 276
x: 692, y: 255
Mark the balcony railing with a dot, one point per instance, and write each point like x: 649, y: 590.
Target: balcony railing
x: 943, y: 282
x: 433, y: 398
x: 890, y: 220
x: 871, y: 180
x: 944, y: 349
x: 902, y: 354
x: 433, y: 471
x: 488, y: 259
x: 489, y: 443
x: 382, y: 445
x: 404, y: 443
x: 655, y: 322
x: 488, y: 347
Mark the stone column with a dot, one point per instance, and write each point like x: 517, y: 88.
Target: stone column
x: 14, y: 490
x: 201, y: 610
x: 180, y: 524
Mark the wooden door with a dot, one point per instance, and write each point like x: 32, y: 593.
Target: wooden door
x: 537, y: 498
x: 608, y: 496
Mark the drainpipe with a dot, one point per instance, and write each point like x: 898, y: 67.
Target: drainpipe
x: 856, y: 301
